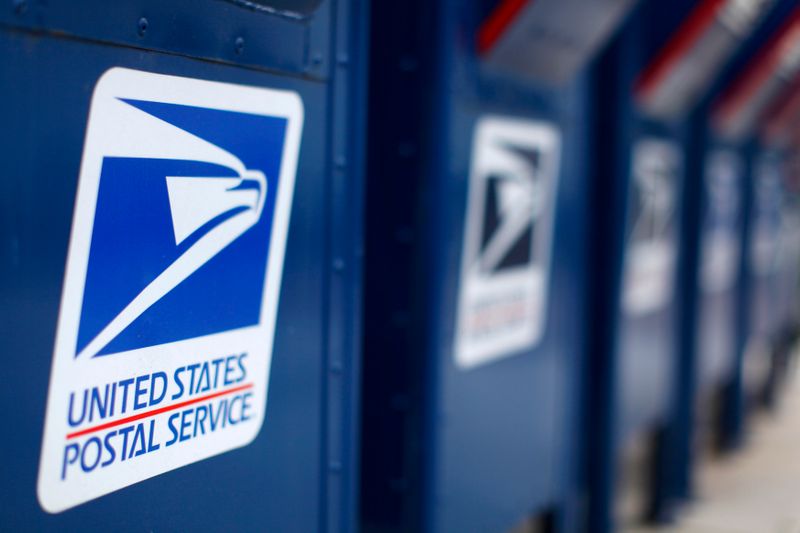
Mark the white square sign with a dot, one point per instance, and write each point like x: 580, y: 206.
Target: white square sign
x: 167, y: 318
x: 651, y: 251
x: 505, y: 261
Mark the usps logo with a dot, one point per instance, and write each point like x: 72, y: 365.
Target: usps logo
x: 651, y: 249
x: 173, y: 276
x: 507, y: 239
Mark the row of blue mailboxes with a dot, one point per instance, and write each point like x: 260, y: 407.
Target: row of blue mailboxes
x: 318, y: 265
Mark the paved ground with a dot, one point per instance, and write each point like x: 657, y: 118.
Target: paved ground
x: 756, y: 490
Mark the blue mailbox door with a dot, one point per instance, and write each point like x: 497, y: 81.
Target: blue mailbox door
x: 718, y: 268
x: 789, y: 269
x: 772, y: 267
x: 762, y: 267
x: 749, y: 116
x: 178, y: 275
x: 475, y: 271
x: 649, y: 84
x: 789, y: 265
x: 708, y: 411
x: 716, y: 275
x: 778, y: 131
x: 640, y: 169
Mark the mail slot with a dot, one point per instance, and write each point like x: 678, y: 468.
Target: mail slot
x: 181, y: 199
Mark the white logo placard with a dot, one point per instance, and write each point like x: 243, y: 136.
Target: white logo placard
x: 167, y: 318
x: 507, y: 239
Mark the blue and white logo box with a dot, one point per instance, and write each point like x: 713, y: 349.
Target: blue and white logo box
x: 173, y: 277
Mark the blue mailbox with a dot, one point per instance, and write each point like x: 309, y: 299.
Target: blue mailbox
x: 779, y: 132
x: 718, y: 268
x: 475, y: 271
x: 179, y: 267
x: 650, y: 84
x: 762, y: 266
x: 707, y: 415
x: 752, y: 118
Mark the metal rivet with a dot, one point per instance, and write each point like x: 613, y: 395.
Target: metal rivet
x: 316, y: 58
x: 343, y: 60
x: 340, y: 162
x: 142, y: 26
x: 338, y: 264
x: 239, y: 45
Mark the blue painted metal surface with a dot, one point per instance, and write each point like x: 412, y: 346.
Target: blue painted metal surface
x: 722, y: 176
x: 634, y: 350
x: 448, y: 448
x: 300, y: 473
x: 644, y: 353
x: 653, y: 375
x: 764, y: 303
x: 711, y: 275
x: 720, y: 312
